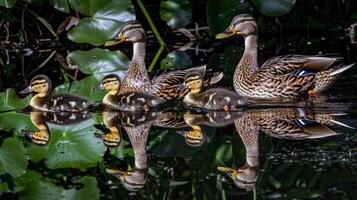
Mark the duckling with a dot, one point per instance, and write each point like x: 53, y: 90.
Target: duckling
x: 128, y: 101
x: 43, y: 101
x: 112, y: 138
x: 212, y: 99
x: 42, y: 136
x: 194, y: 137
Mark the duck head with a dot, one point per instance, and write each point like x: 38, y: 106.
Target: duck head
x: 39, y: 84
x: 131, y: 31
x: 194, y: 82
x: 111, y: 83
x: 243, y: 24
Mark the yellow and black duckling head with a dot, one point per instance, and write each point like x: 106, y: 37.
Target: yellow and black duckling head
x: 111, y: 83
x: 131, y: 31
x: 111, y: 139
x: 194, y: 82
x: 243, y: 24
x: 40, y: 84
x: 133, y: 180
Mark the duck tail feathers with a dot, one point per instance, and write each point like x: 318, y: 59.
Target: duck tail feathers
x: 341, y: 69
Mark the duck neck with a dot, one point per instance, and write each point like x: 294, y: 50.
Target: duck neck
x: 139, y: 54
x: 248, y: 64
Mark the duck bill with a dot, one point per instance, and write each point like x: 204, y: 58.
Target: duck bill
x: 27, y: 90
x: 228, y: 171
x: 99, y: 87
x: 117, y: 173
x: 226, y: 34
x: 115, y: 40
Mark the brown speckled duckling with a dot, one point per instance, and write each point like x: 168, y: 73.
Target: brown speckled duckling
x: 127, y: 101
x: 43, y: 101
x: 211, y: 99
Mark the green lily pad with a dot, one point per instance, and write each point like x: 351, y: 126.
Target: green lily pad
x: 61, y: 5
x: 176, y: 13
x: 12, y: 157
x: 15, y: 122
x: 221, y: 12
x: 106, y: 17
x: 7, y: 3
x: 274, y: 8
x: 70, y: 146
x: 44, y: 188
x: 9, y: 100
x: 176, y: 59
x: 99, y: 62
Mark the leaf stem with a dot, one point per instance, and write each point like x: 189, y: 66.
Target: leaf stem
x: 156, y: 58
x: 151, y: 23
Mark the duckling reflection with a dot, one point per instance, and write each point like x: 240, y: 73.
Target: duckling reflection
x: 136, y: 178
x: 40, y: 120
x: 287, y: 123
x: 196, y: 136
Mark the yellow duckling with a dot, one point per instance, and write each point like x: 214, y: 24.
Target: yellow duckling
x: 128, y: 101
x: 212, y: 99
x: 43, y: 101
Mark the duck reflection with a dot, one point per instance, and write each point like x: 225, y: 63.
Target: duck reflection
x: 40, y: 120
x: 287, y: 123
x: 195, y: 136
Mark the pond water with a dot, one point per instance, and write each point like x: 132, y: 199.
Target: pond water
x: 273, y: 150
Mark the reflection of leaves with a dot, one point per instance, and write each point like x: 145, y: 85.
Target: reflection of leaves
x: 106, y: 17
x: 12, y: 157
x: 176, y: 13
x: 70, y: 146
x: 7, y: 3
x: 9, y: 100
x: 98, y: 61
x: 176, y: 59
x: 221, y: 12
x: 45, y: 189
x: 274, y: 8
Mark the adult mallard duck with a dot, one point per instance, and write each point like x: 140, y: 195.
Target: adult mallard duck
x: 282, y: 76
x: 211, y: 99
x: 126, y: 101
x: 43, y: 101
x: 166, y: 85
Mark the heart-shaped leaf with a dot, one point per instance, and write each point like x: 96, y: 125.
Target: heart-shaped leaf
x: 274, y: 8
x: 12, y: 157
x: 221, y: 12
x: 8, y: 3
x: 9, y: 100
x: 176, y: 59
x: 99, y: 62
x: 106, y: 17
x: 176, y: 13
x: 70, y: 146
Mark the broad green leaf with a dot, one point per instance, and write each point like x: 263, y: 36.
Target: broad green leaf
x: 70, y: 146
x: 12, y: 157
x: 61, y: 5
x: 8, y: 3
x: 176, y: 13
x: 104, y: 21
x: 274, y: 8
x: 176, y: 59
x: 46, y: 189
x: 221, y: 12
x: 99, y: 61
x: 15, y: 122
x: 88, y: 7
x: 9, y: 100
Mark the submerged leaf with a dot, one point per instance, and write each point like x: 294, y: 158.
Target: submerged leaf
x: 176, y: 59
x: 176, y: 13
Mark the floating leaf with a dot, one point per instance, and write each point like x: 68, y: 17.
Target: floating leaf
x: 274, y: 8
x: 70, y: 146
x: 9, y: 100
x: 12, y: 157
x: 176, y: 13
x: 99, y: 62
x: 15, y: 122
x: 176, y: 59
x: 46, y: 189
x: 8, y: 3
x: 221, y: 12
x: 104, y: 21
